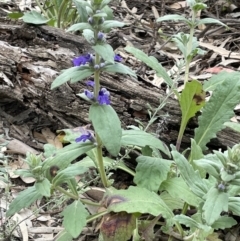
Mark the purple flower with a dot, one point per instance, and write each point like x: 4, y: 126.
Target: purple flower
x: 100, y: 35
x: 117, y: 58
x: 90, y: 83
x: 84, y: 137
x: 82, y: 60
x: 89, y: 94
x: 103, y: 97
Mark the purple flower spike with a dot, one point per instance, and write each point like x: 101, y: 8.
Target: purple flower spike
x: 103, y: 97
x: 89, y: 94
x: 117, y: 58
x: 90, y: 83
x: 84, y: 137
x: 82, y: 60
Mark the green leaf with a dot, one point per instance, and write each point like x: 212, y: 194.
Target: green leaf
x: 218, y: 79
x: 191, y: 101
x: 63, y: 236
x: 211, y: 166
x: 105, y: 51
x: 233, y: 205
x: 68, y: 173
x: 172, y: 203
x: 172, y: 17
x: 34, y: 17
x: 191, y: 177
x: 232, y: 125
x: 177, y: 188
x: 66, y: 155
x: 216, y: 202
x: 138, y: 200
x: 23, y: 200
x: 80, y: 26
x: 74, y: 74
x: 217, y: 111
x: 44, y: 187
x: 224, y: 222
x: 104, y: 3
x: 187, y: 221
x: 75, y: 218
x: 142, y: 139
x: 210, y: 20
x: 152, y: 62
x: 15, y: 15
x: 108, y: 126
x: 107, y: 24
x: 81, y: 8
x: 151, y: 172
x: 119, y: 68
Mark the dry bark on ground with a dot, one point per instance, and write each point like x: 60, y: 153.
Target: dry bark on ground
x: 31, y: 57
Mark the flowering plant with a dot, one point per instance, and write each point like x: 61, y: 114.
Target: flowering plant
x: 162, y: 186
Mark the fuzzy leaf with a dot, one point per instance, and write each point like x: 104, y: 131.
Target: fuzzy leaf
x: 177, y: 188
x: 34, y: 17
x: 74, y: 74
x: 216, y: 202
x: 172, y: 17
x: 108, y: 126
x: 138, y: 200
x: 23, y: 200
x: 234, y: 206
x: 66, y: 155
x: 44, y: 187
x: 79, y: 26
x: 217, y: 111
x: 142, y: 139
x: 210, y: 20
x: 224, y: 222
x: 105, y: 51
x: 75, y: 218
x: 119, y: 68
x: 191, y: 177
x: 151, y: 172
x: 68, y: 173
x: 152, y: 62
x: 107, y: 24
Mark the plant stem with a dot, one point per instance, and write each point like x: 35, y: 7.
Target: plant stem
x: 101, y: 168
x: 76, y: 197
x: 96, y: 77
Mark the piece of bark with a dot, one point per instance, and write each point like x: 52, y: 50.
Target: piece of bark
x: 31, y: 57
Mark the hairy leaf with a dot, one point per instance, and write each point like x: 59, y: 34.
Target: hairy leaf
x: 142, y: 139
x: 34, y: 17
x: 217, y: 111
x: 119, y: 68
x: 151, y: 172
x: 108, y: 126
x: 152, y: 62
x: 224, y: 222
x: 75, y: 218
x: 73, y: 74
x: 105, y: 51
x: 79, y: 26
x: 44, y: 187
x: 234, y: 206
x: 177, y: 188
x: 191, y: 177
x: 138, y: 200
x: 23, y: 200
x: 66, y: 155
x: 216, y: 202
